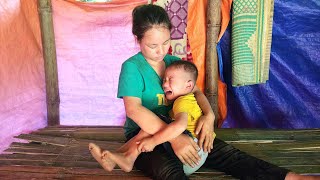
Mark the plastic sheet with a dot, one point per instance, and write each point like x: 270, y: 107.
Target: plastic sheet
x: 92, y: 41
x: 22, y: 82
x: 291, y: 97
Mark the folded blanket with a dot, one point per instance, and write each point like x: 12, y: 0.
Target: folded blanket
x: 251, y: 41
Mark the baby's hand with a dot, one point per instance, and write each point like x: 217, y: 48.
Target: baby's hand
x: 146, y: 145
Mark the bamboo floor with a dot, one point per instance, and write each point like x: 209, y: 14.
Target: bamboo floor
x: 61, y: 152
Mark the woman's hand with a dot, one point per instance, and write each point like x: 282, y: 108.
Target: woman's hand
x: 186, y: 150
x: 205, y: 128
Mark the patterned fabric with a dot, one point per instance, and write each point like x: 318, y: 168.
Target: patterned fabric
x: 178, y: 12
x: 251, y: 41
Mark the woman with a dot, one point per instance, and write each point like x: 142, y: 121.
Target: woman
x: 140, y: 87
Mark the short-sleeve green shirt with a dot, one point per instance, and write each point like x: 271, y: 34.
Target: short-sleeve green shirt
x: 138, y: 79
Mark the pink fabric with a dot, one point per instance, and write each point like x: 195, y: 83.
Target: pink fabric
x: 22, y: 82
x: 92, y: 41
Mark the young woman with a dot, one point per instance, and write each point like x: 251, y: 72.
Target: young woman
x: 178, y: 83
x: 140, y: 88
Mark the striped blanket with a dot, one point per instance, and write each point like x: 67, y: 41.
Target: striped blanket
x: 251, y: 41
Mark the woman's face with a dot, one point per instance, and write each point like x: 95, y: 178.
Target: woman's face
x: 155, y: 43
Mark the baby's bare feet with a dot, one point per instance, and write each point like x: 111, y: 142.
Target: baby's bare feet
x: 123, y: 161
x: 96, y: 152
x: 293, y: 176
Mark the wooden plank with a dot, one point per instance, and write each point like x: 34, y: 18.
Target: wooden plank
x: 28, y: 157
x: 35, y: 162
x: 67, y: 150
x: 78, y: 159
x: 23, y: 176
x: 47, y: 157
x: 101, y: 134
x: 37, y: 175
x: 42, y: 151
x: 26, y: 145
x: 267, y: 134
x: 225, y: 134
x: 310, y: 169
x: 66, y: 170
x: 279, y: 145
x: 34, y: 145
x: 51, y: 148
x: 61, y: 141
x: 80, y: 173
x: 34, y: 148
x: 271, y: 154
x: 58, y: 141
x: 24, y: 162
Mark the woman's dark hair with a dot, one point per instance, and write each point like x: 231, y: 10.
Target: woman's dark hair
x: 144, y: 17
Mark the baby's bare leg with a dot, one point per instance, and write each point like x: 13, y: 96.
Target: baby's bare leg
x: 132, y: 142
x: 126, y: 154
x: 96, y: 152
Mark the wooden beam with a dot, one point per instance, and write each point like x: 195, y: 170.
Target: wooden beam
x: 50, y: 61
x: 213, y: 30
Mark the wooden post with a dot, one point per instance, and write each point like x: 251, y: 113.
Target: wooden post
x: 213, y: 30
x: 50, y: 61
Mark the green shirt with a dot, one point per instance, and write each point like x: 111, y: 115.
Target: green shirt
x: 138, y: 79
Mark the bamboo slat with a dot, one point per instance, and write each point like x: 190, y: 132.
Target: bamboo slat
x: 64, y: 151
x: 116, y: 133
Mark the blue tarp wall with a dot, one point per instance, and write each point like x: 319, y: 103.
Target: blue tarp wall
x: 291, y: 97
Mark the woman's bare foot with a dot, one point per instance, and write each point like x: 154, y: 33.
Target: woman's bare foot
x: 293, y: 176
x: 96, y: 152
x: 123, y: 160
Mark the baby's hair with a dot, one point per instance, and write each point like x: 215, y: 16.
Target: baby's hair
x: 187, y: 66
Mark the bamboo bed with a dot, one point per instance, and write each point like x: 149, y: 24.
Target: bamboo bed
x: 61, y: 152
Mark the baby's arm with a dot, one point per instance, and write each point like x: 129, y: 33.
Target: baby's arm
x: 171, y: 131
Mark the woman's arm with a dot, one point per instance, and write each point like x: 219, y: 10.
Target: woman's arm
x: 183, y: 146
x: 171, y: 131
x: 146, y: 119
x: 205, y: 123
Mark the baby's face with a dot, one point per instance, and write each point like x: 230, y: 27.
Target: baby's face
x: 175, y: 83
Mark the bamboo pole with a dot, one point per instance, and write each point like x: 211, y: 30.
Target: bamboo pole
x: 213, y: 30
x: 50, y: 61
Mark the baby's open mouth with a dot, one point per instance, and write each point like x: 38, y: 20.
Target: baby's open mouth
x: 168, y: 93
